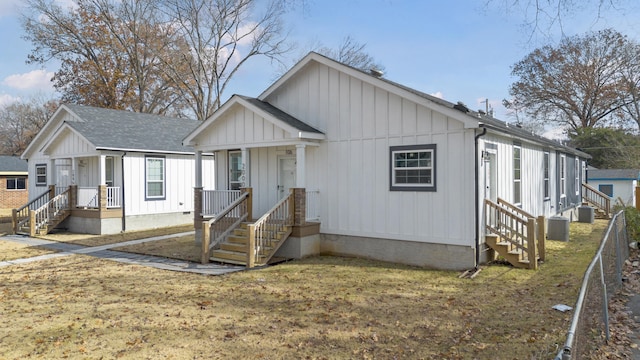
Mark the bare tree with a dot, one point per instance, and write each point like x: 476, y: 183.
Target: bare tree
x: 579, y: 83
x: 153, y: 56
x: 222, y: 36
x: 21, y: 121
x: 544, y: 17
x: 352, y: 53
x: 109, y: 52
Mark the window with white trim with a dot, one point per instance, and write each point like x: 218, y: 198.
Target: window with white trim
x: 41, y: 174
x: 545, y: 171
x: 517, y: 174
x: 19, y: 183
x: 563, y: 176
x: 413, y: 168
x: 577, y: 172
x: 155, y: 177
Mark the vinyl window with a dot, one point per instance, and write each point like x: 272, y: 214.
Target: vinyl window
x: 545, y: 171
x: 155, y: 178
x: 413, y: 168
x: 41, y: 174
x: 19, y: 183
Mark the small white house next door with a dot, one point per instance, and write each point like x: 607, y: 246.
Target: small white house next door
x: 286, y: 175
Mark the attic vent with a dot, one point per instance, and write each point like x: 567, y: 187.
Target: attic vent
x: 375, y: 72
x: 461, y: 107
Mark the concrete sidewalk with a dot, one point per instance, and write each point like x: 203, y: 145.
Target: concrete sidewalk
x: 103, y: 252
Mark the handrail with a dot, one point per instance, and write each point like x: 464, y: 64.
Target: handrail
x: 514, y: 208
x: 51, y: 209
x: 222, y: 225
x: 264, y: 233
x: 518, y: 232
x: 20, y: 216
x: 597, y: 198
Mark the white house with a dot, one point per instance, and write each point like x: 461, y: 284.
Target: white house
x: 395, y: 174
x: 125, y: 170
x: 619, y: 184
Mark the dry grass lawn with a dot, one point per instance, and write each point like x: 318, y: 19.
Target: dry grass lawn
x: 80, y: 307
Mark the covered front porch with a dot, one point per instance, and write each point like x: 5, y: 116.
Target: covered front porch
x: 261, y: 202
x: 87, y: 188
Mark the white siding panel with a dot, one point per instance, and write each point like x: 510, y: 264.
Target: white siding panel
x: 395, y: 115
x: 409, y: 110
x: 368, y: 118
x: 355, y: 110
x: 344, y: 106
x: 179, y: 183
x: 381, y: 114
x: 354, y: 195
x: 381, y: 184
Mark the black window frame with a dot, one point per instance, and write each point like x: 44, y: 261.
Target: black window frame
x: 16, y: 182
x: 40, y: 182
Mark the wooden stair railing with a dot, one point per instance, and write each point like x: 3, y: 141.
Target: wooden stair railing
x: 224, y: 223
x: 46, y: 215
x: 599, y: 200
x: 514, y: 234
x: 270, y: 231
x: 255, y: 244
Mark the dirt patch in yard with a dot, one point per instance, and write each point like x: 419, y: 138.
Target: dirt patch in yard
x: 315, y: 308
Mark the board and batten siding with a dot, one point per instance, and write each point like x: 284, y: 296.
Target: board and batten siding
x: 352, y: 167
x: 240, y: 127
x: 532, y: 173
x: 179, y: 183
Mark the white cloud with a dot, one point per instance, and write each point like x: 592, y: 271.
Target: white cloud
x: 33, y: 80
x: 9, y: 7
x: 557, y: 133
x: 438, y: 94
x: 6, y: 99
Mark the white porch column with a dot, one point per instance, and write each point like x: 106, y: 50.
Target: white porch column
x: 300, y: 165
x: 103, y: 169
x: 246, y: 167
x: 198, y: 169
x: 51, y: 173
x: 74, y: 171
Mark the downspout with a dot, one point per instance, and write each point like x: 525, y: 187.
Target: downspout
x: 477, y: 191
x: 124, y: 221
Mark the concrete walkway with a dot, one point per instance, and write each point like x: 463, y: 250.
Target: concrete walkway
x: 104, y: 252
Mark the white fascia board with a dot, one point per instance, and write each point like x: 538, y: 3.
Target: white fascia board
x: 189, y: 140
x: 46, y: 129
x: 260, y: 145
x: 145, y: 151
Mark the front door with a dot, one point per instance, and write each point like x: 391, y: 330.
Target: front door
x: 286, y: 175
x: 490, y: 176
x: 63, y: 174
x: 236, y: 178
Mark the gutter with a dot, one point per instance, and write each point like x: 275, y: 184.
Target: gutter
x: 124, y: 221
x: 477, y: 211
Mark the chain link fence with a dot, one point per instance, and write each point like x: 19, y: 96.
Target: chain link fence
x: 590, y: 325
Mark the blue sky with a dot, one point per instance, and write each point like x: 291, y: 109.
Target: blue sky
x: 460, y: 50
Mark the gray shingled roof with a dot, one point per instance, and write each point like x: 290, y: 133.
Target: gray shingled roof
x: 109, y: 129
x: 281, y: 115
x: 612, y: 174
x: 12, y: 163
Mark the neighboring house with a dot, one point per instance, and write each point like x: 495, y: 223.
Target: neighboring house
x: 13, y: 182
x: 394, y: 174
x: 619, y: 184
x: 124, y: 170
